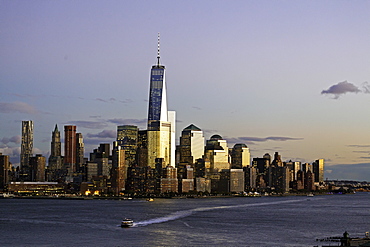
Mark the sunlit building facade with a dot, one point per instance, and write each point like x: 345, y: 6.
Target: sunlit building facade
x: 318, y: 170
x: 191, y: 144
x: 127, y: 139
x: 240, y: 156
x: 159, y: 119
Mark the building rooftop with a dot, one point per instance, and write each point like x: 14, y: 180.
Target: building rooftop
x: 216, y: 138
x: 192, y: 127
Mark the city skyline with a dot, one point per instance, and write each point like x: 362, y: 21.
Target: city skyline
x: 281, y: 77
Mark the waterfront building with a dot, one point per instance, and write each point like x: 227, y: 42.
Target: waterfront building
x: 309, y: 181
x: 141, y: 180
x: 279, y: 177
x: 236, y: 180
x: 169, y: 181
x: 127, y: 139
x: 26, y: 150
x: 202, y: 184
x: 36, y: 188
x: 250, y: 177
x: 5, y: 168
x: 119, y: 168
x: 240, y: 156
x: 186, y: 183
x: 37, y: 165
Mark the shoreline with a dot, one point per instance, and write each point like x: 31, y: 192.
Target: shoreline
x: 74, y: 197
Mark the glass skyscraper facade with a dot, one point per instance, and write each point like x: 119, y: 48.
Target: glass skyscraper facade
x: 157, y: 95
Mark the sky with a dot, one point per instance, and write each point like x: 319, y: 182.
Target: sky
x: 280, y: 76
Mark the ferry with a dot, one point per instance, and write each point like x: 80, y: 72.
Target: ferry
x: 127, y: 223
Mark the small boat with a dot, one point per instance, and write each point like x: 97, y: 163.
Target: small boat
x: 310, y: 194
x: 150, y: 200
x: 127, y: 223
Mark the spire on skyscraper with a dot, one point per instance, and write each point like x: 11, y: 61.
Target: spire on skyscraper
x: 158, y: 52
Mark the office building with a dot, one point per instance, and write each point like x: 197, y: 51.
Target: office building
x: 55, y: 169
x: 157, y: 96
x: 240, y: 156
x: 159, y: 125
x: 26, y: 150
x: 119, y: 169
x: 70, y: 149
x: 80, y: 151
x: 318, y: 170
x: 216, y: 154
x: 127, y: 139
x: 37, y: 164
x: 237, y: 180
x: 5, y: 168
x: 191, y: 144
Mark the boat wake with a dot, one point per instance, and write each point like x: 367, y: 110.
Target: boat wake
x: 186, y: 213
x: 173, y: 216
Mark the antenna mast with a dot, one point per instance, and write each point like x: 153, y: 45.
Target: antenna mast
x: 158, y: 54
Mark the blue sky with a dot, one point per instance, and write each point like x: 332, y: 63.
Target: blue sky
x: 280, y: 76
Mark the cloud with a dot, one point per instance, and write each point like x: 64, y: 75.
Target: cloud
x: 20, y: 107
x: 11, y: 151
x: 122, y: 121
x: 103, y: 134
x: 88, y: 124
x: 359, y: 146
x: 14, y: 139
x: 341, y: 88
x: 258, y: 139
x: 366, y: 87
x: 113, y: 100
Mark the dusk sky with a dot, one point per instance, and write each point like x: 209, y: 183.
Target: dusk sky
x: 280, y: 76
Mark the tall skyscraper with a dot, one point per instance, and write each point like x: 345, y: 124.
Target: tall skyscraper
x: 119, y: 168
x: 157, y: 95
x: 55, y: 163
x: 26, y: 150
x: 159, y: 119
x: 56, y: 146
x: 80, y: 151
x: 70, y: 150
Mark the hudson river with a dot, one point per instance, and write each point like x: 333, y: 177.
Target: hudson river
x: 238, y: 221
